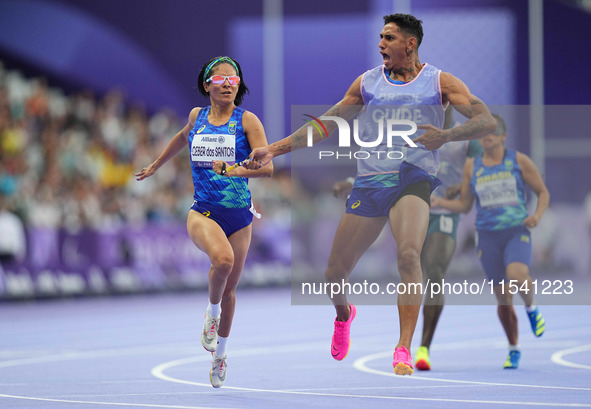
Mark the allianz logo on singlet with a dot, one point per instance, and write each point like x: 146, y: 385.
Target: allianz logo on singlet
x: 209, y: 139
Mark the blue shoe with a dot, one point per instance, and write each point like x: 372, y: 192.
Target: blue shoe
x: 538, y: 325
x: 512, y: 361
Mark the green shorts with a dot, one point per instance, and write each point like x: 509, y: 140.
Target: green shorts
x: 444, y: 223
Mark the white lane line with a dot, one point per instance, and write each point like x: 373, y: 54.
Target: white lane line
x: 254, y: 351
x: 128, y: 381
x: 177, y: 393
x: 361, y: 365
x: 141, y: 405
x: 100, y: 353
x: 127, y: 351
x: 557, y: 357
x: 74, y: 355
x: 144, y: 394
x: 372, y: 388
x: 158, y: 372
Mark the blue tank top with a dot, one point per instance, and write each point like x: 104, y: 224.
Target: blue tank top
x: 419, y: 101
x: 500, y: 193
x: 227, y: 142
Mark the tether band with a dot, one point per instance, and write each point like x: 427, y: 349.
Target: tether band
x: 217, y: 60
x: 223, y: 172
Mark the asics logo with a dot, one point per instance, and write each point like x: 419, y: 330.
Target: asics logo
x: 333, y: 354
x: 206, y: 213
x: 356, y: 204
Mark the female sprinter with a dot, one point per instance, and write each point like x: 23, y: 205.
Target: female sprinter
x: 220, y: 219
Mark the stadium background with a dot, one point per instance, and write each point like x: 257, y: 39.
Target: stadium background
x: 91, y: 91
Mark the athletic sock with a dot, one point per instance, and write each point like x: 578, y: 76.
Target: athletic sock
x: 215, y: 310
x: 513, y: 347
x: 221, y: 349
x: 531, y: 308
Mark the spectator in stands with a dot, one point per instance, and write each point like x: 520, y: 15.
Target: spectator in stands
x: 13, y: 244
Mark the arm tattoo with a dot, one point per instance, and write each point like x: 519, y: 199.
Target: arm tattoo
x: 474, y: 100
x: 293, y: 142
x: 334, y: 111
x: 283, y: 148
x: 472, y: 129
x: 480, y: 122
x: 299, y: 139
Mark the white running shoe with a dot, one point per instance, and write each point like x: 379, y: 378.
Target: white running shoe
x: 217, y: 375
x: 209, y: 335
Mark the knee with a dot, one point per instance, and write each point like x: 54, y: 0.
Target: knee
x: 222, y: 262
x: 409, y: 262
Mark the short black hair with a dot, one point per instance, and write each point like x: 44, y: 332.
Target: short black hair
x: 501, y: 126
x: 408, y: 24
x: 242, y: 88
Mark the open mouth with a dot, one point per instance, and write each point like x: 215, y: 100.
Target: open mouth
x: 385, y: 57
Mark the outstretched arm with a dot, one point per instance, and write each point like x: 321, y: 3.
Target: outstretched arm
x: 480, y: 122
x: 346, y: 108
x: 531, y: 176
x: 178, y: 142
x: 255, y: 133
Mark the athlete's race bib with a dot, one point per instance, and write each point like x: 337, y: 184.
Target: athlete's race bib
x: 208, y: 148
x: 497, y: 193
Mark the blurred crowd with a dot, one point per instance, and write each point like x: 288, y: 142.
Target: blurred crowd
x: 67, y: 161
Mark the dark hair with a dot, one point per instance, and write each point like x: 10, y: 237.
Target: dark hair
x: 501, y: 126
x: 408, y: 24
x: 242, y: 88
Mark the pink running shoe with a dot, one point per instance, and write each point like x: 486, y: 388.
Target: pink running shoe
x: 341, y: 340
x: 402, y: 362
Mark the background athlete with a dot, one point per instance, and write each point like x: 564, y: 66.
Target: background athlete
x: 220, y: 219
x: 440, y: 243
x: 497, y: 180
x: 390, y: 190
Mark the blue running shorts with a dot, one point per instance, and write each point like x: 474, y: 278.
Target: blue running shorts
x: 377, y: 202
x: 498, y: 248
x: 230, y: 220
